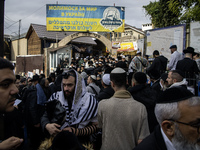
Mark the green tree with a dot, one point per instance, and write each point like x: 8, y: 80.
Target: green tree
x: 173, y: 12
x: 190, y: 9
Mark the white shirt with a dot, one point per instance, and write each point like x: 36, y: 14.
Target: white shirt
x: 168, y: 143
x: 175, y: 57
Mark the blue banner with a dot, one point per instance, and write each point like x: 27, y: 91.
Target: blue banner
x: 85, y: 18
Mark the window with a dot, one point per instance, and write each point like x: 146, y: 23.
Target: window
x: 115, y: 34
x: 51, y: 60
x: 120, y: 35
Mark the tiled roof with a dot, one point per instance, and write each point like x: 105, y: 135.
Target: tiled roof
x: 134, y: 28
x: 43, y: 33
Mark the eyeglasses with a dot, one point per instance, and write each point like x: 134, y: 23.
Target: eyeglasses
x: 194, y: 125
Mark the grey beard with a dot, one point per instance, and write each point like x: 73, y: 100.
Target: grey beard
x: 181, y: 143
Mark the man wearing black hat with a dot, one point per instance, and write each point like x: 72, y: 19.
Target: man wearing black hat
x: 177, y: 112
x: 175, y: 57
x: 189, y: 67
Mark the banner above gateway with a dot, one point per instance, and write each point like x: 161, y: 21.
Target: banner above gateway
x: 84, y: 18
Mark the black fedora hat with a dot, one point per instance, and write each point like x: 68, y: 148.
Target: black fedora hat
x: 189, y: 50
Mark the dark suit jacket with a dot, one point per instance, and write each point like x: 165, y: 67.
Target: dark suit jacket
x: 189, y: 68
x: 154, y: 141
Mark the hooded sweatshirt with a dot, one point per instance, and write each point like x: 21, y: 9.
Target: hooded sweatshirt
x: 159, y: 64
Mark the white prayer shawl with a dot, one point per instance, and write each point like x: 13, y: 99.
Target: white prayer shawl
x: 84, y: 106
x: 183, y: 82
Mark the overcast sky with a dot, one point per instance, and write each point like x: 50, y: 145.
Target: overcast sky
x: 34, y: 11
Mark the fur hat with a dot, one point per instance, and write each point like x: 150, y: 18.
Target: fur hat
x: 174, y: 94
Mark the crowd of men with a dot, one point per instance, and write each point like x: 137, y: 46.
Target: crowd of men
x: 104, y: 103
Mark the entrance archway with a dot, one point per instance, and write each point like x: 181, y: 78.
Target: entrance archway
x: 101, y: 38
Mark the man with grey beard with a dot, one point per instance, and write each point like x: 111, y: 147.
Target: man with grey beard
x: 178, y: 114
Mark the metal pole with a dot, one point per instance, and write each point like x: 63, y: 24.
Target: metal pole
x: 2, y: 28
x: 19, y: 38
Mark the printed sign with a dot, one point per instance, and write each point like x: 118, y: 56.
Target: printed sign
x: 84, y: 18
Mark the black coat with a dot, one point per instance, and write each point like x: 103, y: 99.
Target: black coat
x: 33, y: 111
x: 159, y: 65
x: 14, y: 124
x: 189, y: 68
x: 156, y: 86
x: 147, y: 96
x: 105, y: 93
x: 154, y: 141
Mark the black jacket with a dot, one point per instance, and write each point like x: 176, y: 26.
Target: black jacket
x: 105, y: 93
x: 154, y: 141
x: 54, y: 113
x: 190, y: 68
x: 156, y: 86
x: 159, y: 64
x: 33, y: 111
x: 147, y: 96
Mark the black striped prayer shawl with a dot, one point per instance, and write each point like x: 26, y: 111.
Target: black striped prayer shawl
x: 84, y: 106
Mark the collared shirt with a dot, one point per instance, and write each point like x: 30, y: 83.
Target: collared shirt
x: 175, y: 57
x: 168, y: 143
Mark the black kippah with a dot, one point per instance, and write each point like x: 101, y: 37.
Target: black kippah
x: 140, y: 77
x: 174, y: 94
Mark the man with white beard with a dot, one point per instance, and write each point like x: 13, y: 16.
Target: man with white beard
x: 178, y: 114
